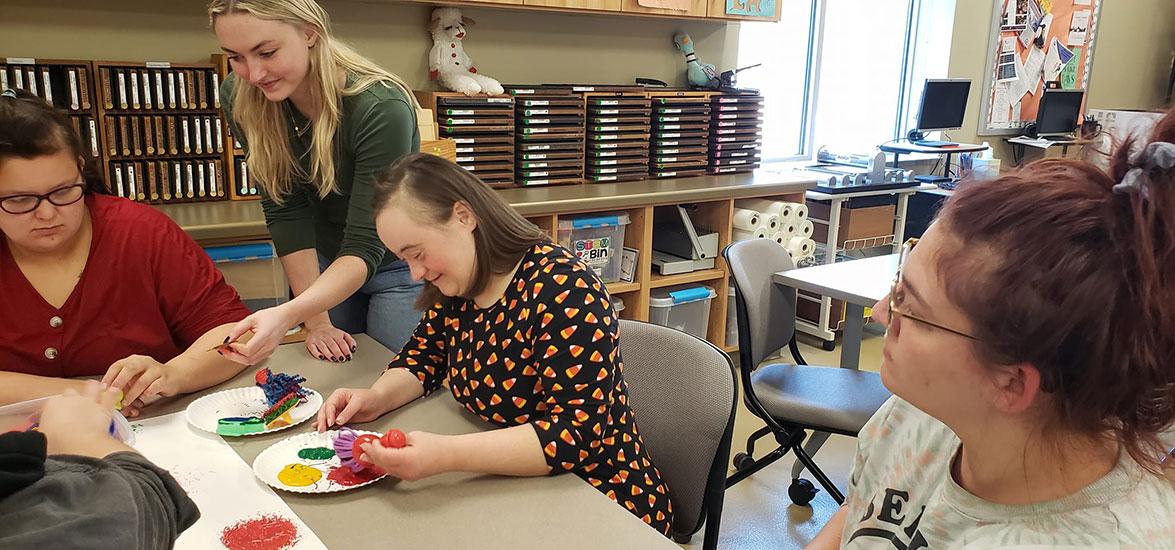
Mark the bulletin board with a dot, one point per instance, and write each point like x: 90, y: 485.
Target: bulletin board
x: 1034, y: 41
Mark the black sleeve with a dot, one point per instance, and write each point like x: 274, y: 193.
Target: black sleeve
x: 22, y: 461
x: 121, y: 501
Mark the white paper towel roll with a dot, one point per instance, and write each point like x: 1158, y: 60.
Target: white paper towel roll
x: 740, y: 235
x: 779, y: 238
x: 747, y: 220
x: 801, y: 247
x: 801, y: 211
x: 771, y: 223
x: 806, y: 228
x: 787, y: 211
x: 789, y: 230
x: 763, y: 206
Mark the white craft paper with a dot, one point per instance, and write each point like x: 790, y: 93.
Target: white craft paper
x: 1082, y: 2
x: 222, y: 485
x: 1078, y: 28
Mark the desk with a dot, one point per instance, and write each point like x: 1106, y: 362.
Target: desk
x: 454, y: 510
x: 1047, y: 148
x: 859, y: 283
x: 898, y: 148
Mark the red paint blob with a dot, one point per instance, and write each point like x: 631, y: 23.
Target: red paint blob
x: 269, y: 532
x: 345, y: 477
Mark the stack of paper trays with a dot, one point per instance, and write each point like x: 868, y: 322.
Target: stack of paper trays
x: 736, y: 132
x: 680, y: 142
x: 483, y: 128
x: 548, y: 143
x: 617, y: 135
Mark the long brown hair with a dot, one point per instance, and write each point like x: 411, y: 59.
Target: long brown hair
x: 264, y: 122
x: 435, y: 184
x: 30, y: 128
x: 1072, y: 269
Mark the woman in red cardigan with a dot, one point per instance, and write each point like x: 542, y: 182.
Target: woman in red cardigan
x: 93, y: 284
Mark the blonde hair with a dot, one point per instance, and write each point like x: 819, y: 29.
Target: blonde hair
x: 264, y: 124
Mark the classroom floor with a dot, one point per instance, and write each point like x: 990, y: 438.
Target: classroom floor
x: 757, y: 513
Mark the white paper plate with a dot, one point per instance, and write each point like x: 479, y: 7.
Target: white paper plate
x: 273, y: 460
x: 204, y: 412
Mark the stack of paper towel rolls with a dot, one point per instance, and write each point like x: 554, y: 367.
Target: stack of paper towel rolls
x: 786, y: 223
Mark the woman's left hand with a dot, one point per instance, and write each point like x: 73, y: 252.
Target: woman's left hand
x: 426, y: 454
x: 328, y: 343
x: 143, y: 380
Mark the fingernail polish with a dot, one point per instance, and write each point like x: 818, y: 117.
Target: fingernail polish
x: 226, y: 339
x: 353, y: 349
x: 335, y: 359
x: 323, y: 357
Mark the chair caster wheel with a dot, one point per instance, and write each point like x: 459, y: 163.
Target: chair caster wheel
x: 828, y: 345
x: 742, y: 461
x: 802, y: 491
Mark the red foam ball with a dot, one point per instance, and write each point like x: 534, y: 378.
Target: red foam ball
x: 394, y: 439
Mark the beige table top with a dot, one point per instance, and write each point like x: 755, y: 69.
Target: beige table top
x: 237, y: 221
x: 454, y: 510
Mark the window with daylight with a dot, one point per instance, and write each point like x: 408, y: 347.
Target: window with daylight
x: 843, y: 74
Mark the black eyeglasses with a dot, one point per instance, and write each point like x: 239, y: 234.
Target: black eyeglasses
x: 897, y: 294
x: 23, y: 204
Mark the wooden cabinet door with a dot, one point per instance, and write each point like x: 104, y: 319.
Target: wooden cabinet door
x: 697, y: 8
x: 717, y: 10
x: 591, y: 5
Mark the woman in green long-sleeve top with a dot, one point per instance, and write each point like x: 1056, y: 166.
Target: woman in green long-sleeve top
x: 317, y: 121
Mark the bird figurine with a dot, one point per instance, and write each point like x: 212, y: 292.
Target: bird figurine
x: 700, y: 75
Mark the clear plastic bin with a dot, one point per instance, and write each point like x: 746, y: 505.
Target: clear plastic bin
x: 617, y: 305
x: 685, y: 308
x: 598, y: 240
x: 254, y: 270
x: 731, y: 317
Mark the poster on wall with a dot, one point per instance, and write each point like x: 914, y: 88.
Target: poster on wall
x: 1034, y: 44
x: 751, y: 8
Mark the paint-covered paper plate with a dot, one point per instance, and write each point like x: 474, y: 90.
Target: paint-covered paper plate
x: 205, y: 413
x: 306, y: 463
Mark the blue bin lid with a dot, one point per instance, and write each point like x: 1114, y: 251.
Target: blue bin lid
x: 240, y: 252
x: 682, y: 295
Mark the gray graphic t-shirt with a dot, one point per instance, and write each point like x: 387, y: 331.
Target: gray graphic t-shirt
x: 902, y: 496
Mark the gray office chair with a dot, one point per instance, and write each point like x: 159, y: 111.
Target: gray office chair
x: 791, y: 399
x: 683, y: 393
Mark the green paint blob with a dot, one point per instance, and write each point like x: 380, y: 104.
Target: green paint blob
x: 316, y: 453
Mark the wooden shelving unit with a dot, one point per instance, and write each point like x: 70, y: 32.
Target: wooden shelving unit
x: 162, y: 130
x: 66, y: 83
x: 714, y: 215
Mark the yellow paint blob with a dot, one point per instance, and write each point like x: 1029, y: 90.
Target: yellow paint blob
x: 299, y: 475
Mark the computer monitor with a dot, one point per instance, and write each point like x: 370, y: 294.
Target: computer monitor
x: 944, y: 102
x: 1058, y: 112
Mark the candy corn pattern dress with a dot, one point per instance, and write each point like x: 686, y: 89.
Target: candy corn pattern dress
x: 546, y: 354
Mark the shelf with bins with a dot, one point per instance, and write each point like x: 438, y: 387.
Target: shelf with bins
x: 164, y: 138
x: 67, y: 84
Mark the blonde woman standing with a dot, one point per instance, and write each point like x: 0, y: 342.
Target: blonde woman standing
x: 317, y: 121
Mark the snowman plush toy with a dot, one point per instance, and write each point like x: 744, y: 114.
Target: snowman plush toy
x: 448, y: 63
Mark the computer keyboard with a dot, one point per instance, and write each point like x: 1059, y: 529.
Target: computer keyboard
x: 933, y: 143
